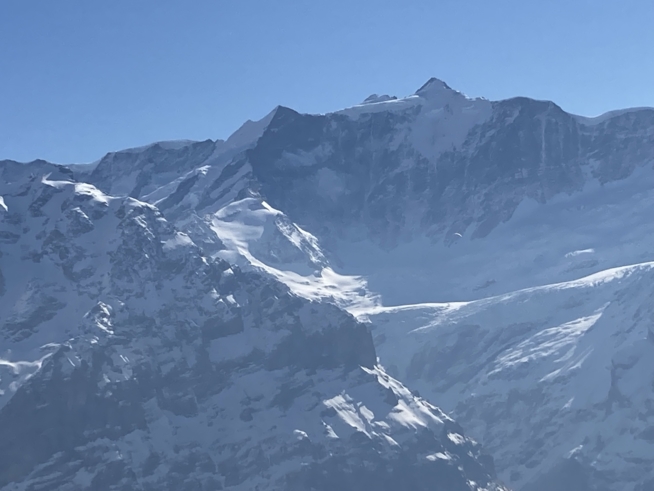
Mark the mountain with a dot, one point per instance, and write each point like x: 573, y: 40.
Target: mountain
x: 498, y: 252
x: 389, y: 189
x: 555, y: 380
x: 131, y: 359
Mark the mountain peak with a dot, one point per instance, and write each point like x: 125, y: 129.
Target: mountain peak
x: 435, y: 88
x: 250, y: 131
x: 437, y: 91
x: 433, y: 83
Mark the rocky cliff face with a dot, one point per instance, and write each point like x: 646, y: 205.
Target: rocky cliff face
x: 438, y: 166
x: 433, y: 164
x: 130, y: 359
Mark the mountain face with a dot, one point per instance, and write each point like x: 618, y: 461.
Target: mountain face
x: 496, y: 255
x: 132, y: 359
x: 389, y: 189
x: 441, y: 165
x: 555, y: 380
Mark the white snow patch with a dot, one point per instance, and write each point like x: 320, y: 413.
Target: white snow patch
x: 439, y: 456
x: 179, y: 240
x: 346, y: 411
x: 79, y: 188
x: 259, y: 236
x: 455, y: 438
x: 580, y: 252
x: 92, y: 191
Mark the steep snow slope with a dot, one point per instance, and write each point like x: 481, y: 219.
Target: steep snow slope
x: 257, y: 236
x: 130, y: 360
x: 556, y: 380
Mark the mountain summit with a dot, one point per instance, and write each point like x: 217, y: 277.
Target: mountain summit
x: 435, y: 87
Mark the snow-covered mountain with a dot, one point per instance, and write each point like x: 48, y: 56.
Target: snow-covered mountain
x: 557, y: 381
x: 130, y: 359
x: 393, y: 190
x: 479, y: 240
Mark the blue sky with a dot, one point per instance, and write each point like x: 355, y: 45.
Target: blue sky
x: 81, y: 78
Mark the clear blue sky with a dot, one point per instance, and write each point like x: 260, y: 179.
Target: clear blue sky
x: 81, y: 78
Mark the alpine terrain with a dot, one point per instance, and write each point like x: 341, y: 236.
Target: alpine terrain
x: 133, y: 358
x: 239, y: 314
